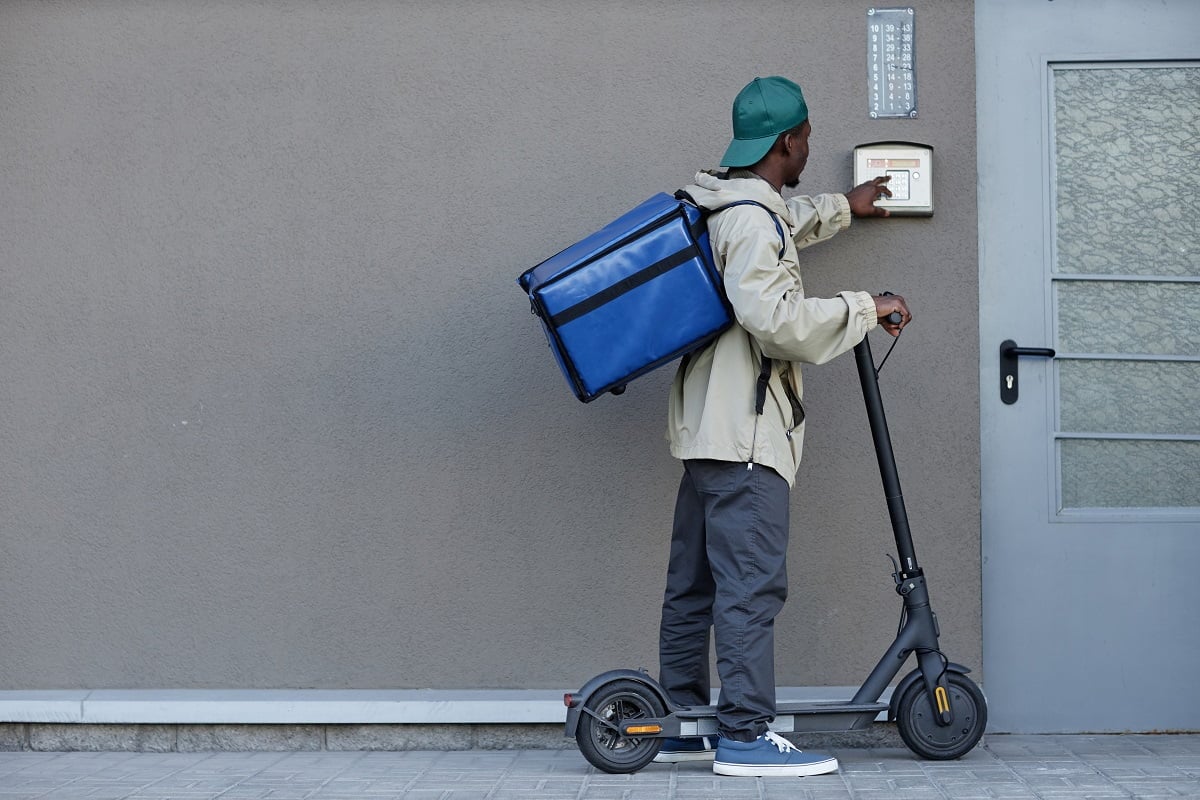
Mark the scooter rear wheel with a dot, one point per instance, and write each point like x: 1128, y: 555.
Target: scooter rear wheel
x: 917, y: 721
x: 599, y: 736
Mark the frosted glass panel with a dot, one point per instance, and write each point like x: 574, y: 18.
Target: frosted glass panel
x: 1146, y: 397
x: 1126, y: 155
x: 1098, y: 473
x: 1125, y: 151
x: 1129, y: 318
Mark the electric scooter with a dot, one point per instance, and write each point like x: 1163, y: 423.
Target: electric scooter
x: 620, y: 718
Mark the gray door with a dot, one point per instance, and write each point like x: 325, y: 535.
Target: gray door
x: 1089, y: 202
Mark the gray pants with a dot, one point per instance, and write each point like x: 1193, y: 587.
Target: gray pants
x: 728, y: 573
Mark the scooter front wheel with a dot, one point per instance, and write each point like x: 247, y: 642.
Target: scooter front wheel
x: 917, y: 721
x: 599, y: 734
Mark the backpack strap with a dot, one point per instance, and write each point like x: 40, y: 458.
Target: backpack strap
x: 764, y: 374
x: 760, y: 387
x: 705, y: 213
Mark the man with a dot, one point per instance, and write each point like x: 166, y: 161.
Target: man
x: 740, y: 443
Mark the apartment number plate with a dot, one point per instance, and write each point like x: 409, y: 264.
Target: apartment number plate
x: 891, y: 62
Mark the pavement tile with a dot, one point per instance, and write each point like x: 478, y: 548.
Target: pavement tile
x: 1002, y: 768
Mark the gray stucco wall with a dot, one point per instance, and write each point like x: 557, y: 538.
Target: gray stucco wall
x: 273, y: 412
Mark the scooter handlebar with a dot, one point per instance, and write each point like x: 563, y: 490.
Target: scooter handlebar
x: 894, y: 318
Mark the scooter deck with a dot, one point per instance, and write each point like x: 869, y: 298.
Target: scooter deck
x: 790, y: 717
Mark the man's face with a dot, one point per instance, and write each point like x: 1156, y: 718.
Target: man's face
x: 798, y: 154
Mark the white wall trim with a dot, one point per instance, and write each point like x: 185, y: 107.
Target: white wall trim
x: 309, y: 706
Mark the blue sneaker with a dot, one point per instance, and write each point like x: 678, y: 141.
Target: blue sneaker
x: 676, y: 751
x: 769, y: 755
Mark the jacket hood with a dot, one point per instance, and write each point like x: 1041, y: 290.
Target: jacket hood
x: 710, y: 191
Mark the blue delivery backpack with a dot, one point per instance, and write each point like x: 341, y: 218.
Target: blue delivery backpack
x: 637, y: 294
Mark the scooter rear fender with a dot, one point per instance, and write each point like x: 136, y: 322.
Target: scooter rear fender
x: 575, y: 710
x: 912, y: 678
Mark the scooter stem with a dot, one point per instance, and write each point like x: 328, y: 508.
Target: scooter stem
x: 869, y: 379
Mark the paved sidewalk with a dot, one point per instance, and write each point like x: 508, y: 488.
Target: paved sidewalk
x: 1014, y: 767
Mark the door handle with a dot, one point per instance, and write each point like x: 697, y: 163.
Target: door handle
x: 1009, y: 352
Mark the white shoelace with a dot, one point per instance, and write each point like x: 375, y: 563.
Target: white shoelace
x: 783, y: 744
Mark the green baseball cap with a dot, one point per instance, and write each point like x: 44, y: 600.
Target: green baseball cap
x: 765, y: 108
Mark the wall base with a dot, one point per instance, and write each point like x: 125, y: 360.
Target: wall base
x: 85, y: 737
x: 178, y: 720
x: 204, y: 738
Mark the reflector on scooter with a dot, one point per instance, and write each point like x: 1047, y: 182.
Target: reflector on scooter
x: 642, y: 729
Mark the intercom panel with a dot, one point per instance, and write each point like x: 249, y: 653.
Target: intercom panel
x: 910, y: 167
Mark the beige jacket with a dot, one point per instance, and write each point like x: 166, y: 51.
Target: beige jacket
x: 711, y: 411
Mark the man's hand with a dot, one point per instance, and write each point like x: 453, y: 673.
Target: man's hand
x: 885, y: 305
x: 862, y: 197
